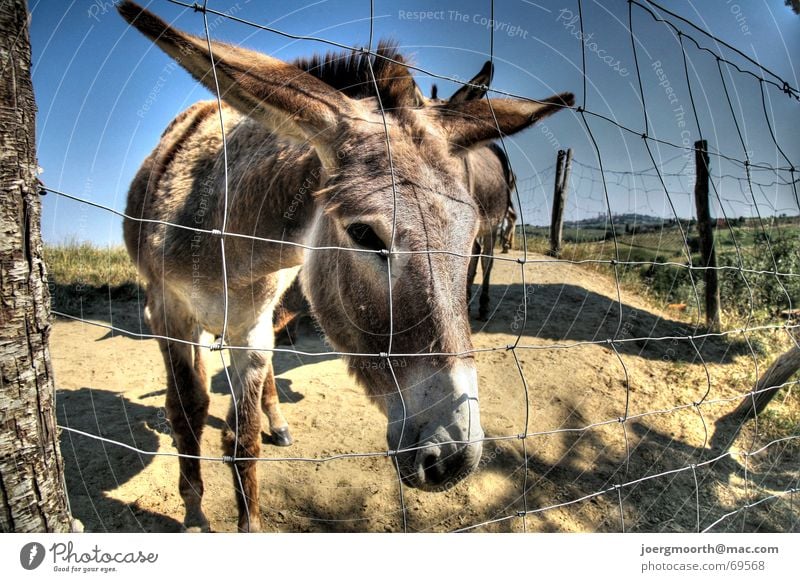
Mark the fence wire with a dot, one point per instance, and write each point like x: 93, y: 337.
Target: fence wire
x: 590, y: 176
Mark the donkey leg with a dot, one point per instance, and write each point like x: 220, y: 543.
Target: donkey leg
x: 271, y: 407
x: 509, y: 242
x: 486, y: 266
x: 186, y: 403
x: 472, y: 269
x: 243, y: 437
x: 507, y: 238
x: 200, y: 358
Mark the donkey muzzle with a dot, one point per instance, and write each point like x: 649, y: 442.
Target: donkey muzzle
x: 436, y: 428
x: 440, y: 461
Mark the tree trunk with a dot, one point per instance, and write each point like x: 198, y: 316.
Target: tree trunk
x: 32, y: 494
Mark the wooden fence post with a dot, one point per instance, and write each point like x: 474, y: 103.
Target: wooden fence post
x: 705, y: 229
x: 563, y: 164
x: 728, y: 427
x: 32, y: 494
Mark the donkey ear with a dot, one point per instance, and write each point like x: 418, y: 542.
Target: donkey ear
x: 469, y: 92
x: 289, y: 101
x: 471, y: 122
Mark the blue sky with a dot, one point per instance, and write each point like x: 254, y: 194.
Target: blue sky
x: 105, y: 93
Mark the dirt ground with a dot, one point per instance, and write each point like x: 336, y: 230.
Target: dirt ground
x: 112, y: 385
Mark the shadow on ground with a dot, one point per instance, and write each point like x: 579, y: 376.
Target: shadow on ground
x: 585, y: 467
x: 678, y: 501
x: 92, y: 468
x: 121, y: 307
x: 568, y: 313
x: 560, y: 313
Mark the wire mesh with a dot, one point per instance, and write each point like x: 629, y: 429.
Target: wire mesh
x: 590, y: 192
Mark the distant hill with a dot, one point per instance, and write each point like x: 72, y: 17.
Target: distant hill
x: 601, y: 221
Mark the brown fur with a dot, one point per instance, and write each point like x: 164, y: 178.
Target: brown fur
x: 305, y: 164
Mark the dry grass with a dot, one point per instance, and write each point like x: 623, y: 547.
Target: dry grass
x: 80, y: 272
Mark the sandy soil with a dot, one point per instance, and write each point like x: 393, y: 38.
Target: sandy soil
x: 112, y: 385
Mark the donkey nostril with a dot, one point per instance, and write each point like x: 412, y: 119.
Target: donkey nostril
x: 432, y: 468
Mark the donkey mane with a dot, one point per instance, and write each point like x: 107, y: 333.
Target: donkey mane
x: 349, y: 72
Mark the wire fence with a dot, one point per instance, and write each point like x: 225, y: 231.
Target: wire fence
x: 591, y: 192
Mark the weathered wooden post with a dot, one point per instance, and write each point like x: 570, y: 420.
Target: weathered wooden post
x: 780, y: 372
x: 563, y: 163
x: 32, y: 495
x: 728, y: 427
x: 705, y: 229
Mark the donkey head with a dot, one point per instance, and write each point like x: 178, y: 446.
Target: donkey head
x: 395, y: 208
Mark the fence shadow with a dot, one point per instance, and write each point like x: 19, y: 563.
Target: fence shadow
x: 586, y: 464
x: 664, y: 503
x: 124, y: 309
x: 120, y: 306
x: 561, y: 313
x: 93, y: 469
x: 569, y: 313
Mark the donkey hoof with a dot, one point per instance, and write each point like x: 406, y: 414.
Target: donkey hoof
x: 195, y: 527
x: 252, y: 525
x: 195, y: 521
x: 281, y: 437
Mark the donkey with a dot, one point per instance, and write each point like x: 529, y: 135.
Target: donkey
x: 491, y: 182
x: 489, y: 179
x: 508, y: 229
x: 310, y: 182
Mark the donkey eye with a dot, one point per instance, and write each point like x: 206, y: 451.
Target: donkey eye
x: 363, y: 235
